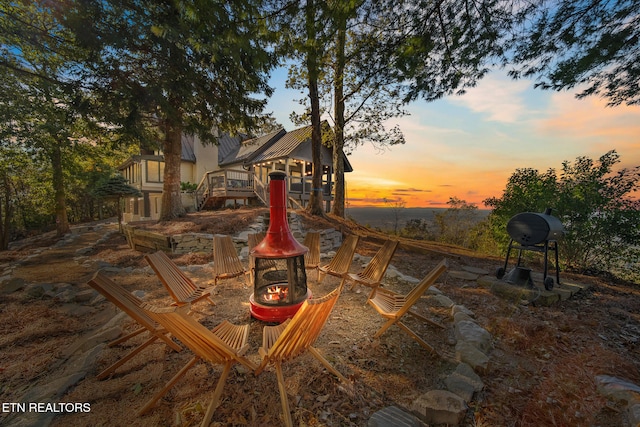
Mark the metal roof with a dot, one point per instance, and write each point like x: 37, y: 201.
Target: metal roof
x: 284, y: 146
x: 228, y: 146
x: 188, y: 154
x: 247, y: 148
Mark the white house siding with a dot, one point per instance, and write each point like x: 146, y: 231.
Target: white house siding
x: 207, y: 156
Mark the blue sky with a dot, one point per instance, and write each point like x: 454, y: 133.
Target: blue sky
x: 468, y: 146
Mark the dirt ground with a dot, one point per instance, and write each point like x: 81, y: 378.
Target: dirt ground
x: 542, y: 369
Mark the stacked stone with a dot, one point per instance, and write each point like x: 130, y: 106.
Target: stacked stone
x: 192, y: 242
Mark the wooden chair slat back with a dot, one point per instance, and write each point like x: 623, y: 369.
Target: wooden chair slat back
x: 254, y: 238
x: 312, y: 242
x: 304, y: 328
x: 420, y: 288
x: 341, y: 262
x: 200, y: 340
x: 225, y: 257
x: 380, y: 261
x: 177, y: 283
x: 123, y: 299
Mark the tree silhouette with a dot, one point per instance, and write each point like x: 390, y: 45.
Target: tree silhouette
x: 116, y: 188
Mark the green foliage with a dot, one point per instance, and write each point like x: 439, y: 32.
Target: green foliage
x: 443, y: 47
x: 115, y: 187
x: 188, y: 187
x: 460, y: 224
x: 593, y: 202
x: 591, y: 44
x: 454, y: 225
x: 174, y: 67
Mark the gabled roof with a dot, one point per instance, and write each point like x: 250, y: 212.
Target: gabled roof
x: 188, y: 155
x: 272, y: 146
x: 228, y: 146
x: 247, y: 148
x: 281, y: 144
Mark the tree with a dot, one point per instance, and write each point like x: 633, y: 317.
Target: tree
x: 456, y: 224
x: 397, y: 207
x: 591, y: 45
x: 363, y: 99
x: 312, y: 61
x: 38, y: 61
x: 593, y: 202
x: 441, y: 48
x: 116, y: 188
x: 387, y: 53
x: 182, y: 66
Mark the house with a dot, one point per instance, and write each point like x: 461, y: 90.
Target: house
x: 236, y: 170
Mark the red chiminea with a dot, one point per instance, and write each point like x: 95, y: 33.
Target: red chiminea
x: 279, y: 276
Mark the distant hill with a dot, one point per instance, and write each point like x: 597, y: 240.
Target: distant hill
x: 385, y: 217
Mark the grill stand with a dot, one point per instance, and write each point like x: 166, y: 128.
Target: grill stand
x: 517, y: 275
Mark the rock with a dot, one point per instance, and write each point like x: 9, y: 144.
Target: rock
x: 461, y: 309
x: 432, y: 290
x: 617, y: 389
x: 11, y: 284
x: 468, y: 353
x: 459, y: 386
x: 474, y: 334
x: 392, y: 416
x: 440, y: 407
x: 460, y: 317
x: 35, y: 290
x: 463, y: 275
x: 467, y: 371
x: 478, y: 271
x: 633, y: 413
x: 84, y: 251
x: 464, y: 382
x: 85, y: 295
x: 440, y: 301
x: 65, y: 296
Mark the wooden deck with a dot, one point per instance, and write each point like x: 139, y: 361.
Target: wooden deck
x: 216, y: 188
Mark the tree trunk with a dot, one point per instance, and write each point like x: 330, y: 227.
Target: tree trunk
x: 172, y: 148
x: 6, y: 212
x: 315, y: 201
x: 62, y: 221
x: 338, y: 143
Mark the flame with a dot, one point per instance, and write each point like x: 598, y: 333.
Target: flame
x: 276, y: 293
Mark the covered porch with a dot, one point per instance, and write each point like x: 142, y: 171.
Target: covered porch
x: 217, y: 188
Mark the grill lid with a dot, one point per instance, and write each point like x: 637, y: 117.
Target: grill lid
x: 532, y: 228
x: 278, y: 241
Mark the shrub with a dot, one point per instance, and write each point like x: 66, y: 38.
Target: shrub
x: 594, y: 203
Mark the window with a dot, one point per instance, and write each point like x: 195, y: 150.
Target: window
x: 155, y: 171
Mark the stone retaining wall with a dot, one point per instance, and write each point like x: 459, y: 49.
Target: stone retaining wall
x: 203, y: 242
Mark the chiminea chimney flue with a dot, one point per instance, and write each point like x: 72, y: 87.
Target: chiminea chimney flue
x: 278, y: 241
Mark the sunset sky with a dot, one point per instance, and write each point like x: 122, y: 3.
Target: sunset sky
x: 468, y: 146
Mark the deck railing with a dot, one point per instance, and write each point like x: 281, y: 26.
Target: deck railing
x: 239, y: 183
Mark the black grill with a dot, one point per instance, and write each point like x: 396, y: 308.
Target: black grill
x: 531, y: 231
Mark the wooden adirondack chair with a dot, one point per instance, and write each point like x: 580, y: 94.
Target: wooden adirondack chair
x: 374, y: 272
x: 312, y: 257
x: 223, y: 345
x: 393, y: 306
x: 131, y: 305
x: 295, y: 336
x: 341, y: 262
x: 180, y: 287
x: 252, y: 241
x: 226, y: 263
